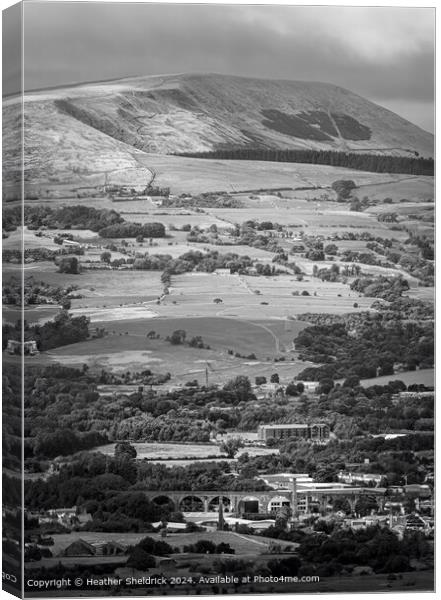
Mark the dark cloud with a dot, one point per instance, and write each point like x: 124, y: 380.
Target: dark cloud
x: 384, y: 54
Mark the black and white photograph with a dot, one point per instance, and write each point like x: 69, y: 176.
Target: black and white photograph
x: 218, y: 299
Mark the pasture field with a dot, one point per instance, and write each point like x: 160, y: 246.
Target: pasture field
x: 169, y: 451
x: 422, y: 293
x: 170, y: 218
x: 193, y: 175
x: 114, y: 313
x: 403, y: 208
x: 31, y: 241
x: 27, y: 237
x: 101, y: 284
x: 315, y: 218
x: 193, y: 294
x: 35, y: 314
x: 308, y: 265
x: 127, y: 348
x: 241, y: 543
x: 424, y: 376
x: 219, y: 333
x: 414, y: 188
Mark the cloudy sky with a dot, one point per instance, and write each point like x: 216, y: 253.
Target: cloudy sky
x: 384, y: 54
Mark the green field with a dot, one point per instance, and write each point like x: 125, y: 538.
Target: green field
x: 241, y: 544
x: 169, y: 451
x: 127, y: 348
x: 424, y: 376
x: 199, y: 175
x: 37, y: 314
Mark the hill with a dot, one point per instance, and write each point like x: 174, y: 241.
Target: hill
x: 73, y: 133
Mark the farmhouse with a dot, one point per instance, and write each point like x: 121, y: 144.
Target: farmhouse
x: 310, y: 387
x: 316, y: 432
x: 71, y: 243
x: 222, y: 272
x: 108, y: 548
x: 14, y: 347
x: 79, y: 548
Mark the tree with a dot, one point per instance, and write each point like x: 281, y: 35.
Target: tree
x: 343, y: 188
x: 69, y: 264
x: 178, y: 337
x: 231, y: 446
x: 282, y: 517
x: 140, y: 560
x: 260, y: 380
x: 331, y: 249
x: 241, y: 386
x: 326, y: 385
x: 351, y: 381
x: 125, y: 448
x: 274, y: 378
x: 291, y: 389
x: 106, y: 257
x: 300, y: 387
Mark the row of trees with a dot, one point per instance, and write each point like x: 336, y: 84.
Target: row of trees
x: 64, y: 217
x: 133, y: 230
x: 108, y: 223
x: 377, y: 163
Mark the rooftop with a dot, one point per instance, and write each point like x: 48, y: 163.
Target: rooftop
x: 291, y: 425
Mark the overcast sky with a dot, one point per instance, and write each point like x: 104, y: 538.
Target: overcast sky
x: 384, y: 54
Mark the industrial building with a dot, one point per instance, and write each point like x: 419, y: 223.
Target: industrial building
x: 316, y: 432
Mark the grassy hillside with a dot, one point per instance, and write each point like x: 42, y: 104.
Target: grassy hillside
x: 107, y: 127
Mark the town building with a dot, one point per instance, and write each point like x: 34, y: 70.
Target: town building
x: 317, y: 432
x: 365, y: 478
x: 283, y: 480
x: 368, y: 521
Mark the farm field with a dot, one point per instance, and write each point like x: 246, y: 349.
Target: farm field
x: 37, y: 314
x: 31, y: 241
x: 424, y: 376
x: 24, y: 236
x: 308, y: 265
x: 121, y: 352
x: 194, y: 175
x: 218, y: 332
x: 422, y: 293
x: 181, y: 451
x: 171, y: 218
x: 193, y: 294
x: 414, y: 188
x: 403, y: 208
x: 242, y: 544
x: 101, y: 284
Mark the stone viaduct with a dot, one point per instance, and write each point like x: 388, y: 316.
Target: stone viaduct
x: 234, y: 502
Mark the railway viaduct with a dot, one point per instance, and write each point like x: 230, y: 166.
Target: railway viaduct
x: 268, y: 500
